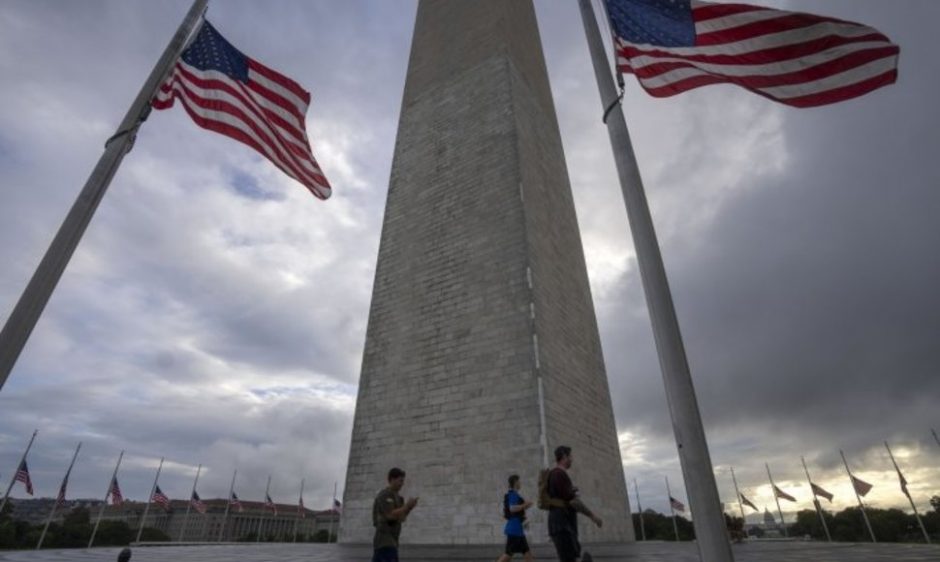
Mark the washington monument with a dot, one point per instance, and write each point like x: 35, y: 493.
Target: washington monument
x: 482, y: 351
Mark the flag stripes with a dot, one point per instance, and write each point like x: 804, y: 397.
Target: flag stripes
x: 802, y: 60
x: 115, y: 492
x: 22, y: 475
x: 160, y: 498
x: 225, y: 91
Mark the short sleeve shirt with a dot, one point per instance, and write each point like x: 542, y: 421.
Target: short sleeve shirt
x: 387, y: 530
x: 561, y: 519
x: 514, y: 523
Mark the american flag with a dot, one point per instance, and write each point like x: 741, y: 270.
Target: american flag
x: 22, y: 475
x: 676, y: 504
x: 337, y: 506
x: 160, y: 498
x: 300, y: 508
x: 861, y: 487
x: 819, y: 491
x: 60, y: 499
x: 269, y: 504
x: 116, y: 497
x: 903, y: 484
x: 783, y: 495
x: 748, y: 502
x: 798, y: 59
x: 197, y: 503
x: 229, y: 93
x: 233, y: 501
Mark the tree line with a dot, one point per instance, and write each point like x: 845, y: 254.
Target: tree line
x: 889, y: 525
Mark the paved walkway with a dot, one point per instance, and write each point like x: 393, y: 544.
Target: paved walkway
x: 638, y: 552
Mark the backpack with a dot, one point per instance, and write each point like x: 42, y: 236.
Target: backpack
x: 546, y: 501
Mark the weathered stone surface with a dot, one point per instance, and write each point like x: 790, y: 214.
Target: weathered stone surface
x: 481, y: 296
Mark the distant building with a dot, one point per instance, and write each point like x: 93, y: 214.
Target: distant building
x: 239, y: 525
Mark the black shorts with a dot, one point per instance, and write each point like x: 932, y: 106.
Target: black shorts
x: 567, y: 547
x: 385, y: 554
x: 516, y: 545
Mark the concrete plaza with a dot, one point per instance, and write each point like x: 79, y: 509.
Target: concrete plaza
x: 637, y: 552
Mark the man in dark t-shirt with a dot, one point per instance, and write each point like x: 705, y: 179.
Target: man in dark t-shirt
x: 563, y: 521
x: 389, y: 511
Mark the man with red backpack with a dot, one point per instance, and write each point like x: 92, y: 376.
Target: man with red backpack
x: 560, y: 497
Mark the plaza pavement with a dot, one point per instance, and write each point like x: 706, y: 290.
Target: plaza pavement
x: 638, y: 552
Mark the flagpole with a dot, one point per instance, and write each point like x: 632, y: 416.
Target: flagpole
x: 935, y: 438
x: 267, y: 490
x: 738, y: 494
x: 62, y: 486
x: 149, y: 499
x: 777, y: 499
x: 707, y: 517
x: 228, y: 504
x: 189, y: 505
x: 672, y: 510
x: 858, y: 497
x: 640, y: 509
x: 26, y: 313
x: 908, y: 494
x: 105, y: 502
x: 13, y: 478
x: 329, y: 536
x: 819, y: 511
x: 299, y: 508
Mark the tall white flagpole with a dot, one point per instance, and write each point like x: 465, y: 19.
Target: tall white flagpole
x: 639, y: 510
x: 819, y: 511
x: 740, y: 503
x: 710, y: 530
x: 773, y: 488
x: 65, y: 480
x: 143, y: 520
x: 104, y: 504
x: 228, y: 504
x: 189, y: 504
x: 299, y: 508
x: 25, y: 314
x: 858, y: 497
x: 672, y: 510
x: 267, y: 490
x: 17, y: 469
x: 908, y: 494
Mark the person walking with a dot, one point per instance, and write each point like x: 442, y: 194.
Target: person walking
x: 563, y: 510
x: 389, y: 511
x: 514, y: 507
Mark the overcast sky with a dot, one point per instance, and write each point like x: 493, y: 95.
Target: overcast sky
x: 215, y: 311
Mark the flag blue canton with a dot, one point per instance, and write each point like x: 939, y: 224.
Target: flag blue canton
x: 666, y: 23
x: 210, y: 51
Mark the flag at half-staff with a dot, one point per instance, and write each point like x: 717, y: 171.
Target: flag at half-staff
x: 117, y: 498
x: 227, y: 92
x: 337, y: 506
x: 676, y: 504
x: 300, y: 508
x: 269, y: 504
x: 802, y: 60
x: 748, y: 503
x: 783, y: 495
x: 907, y: 493
x: 236, y: 503
x: 22, y: 475
x: 821, y: 492
x: 861, y: 487
x: 197, y: 503
x: 160, y: 498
